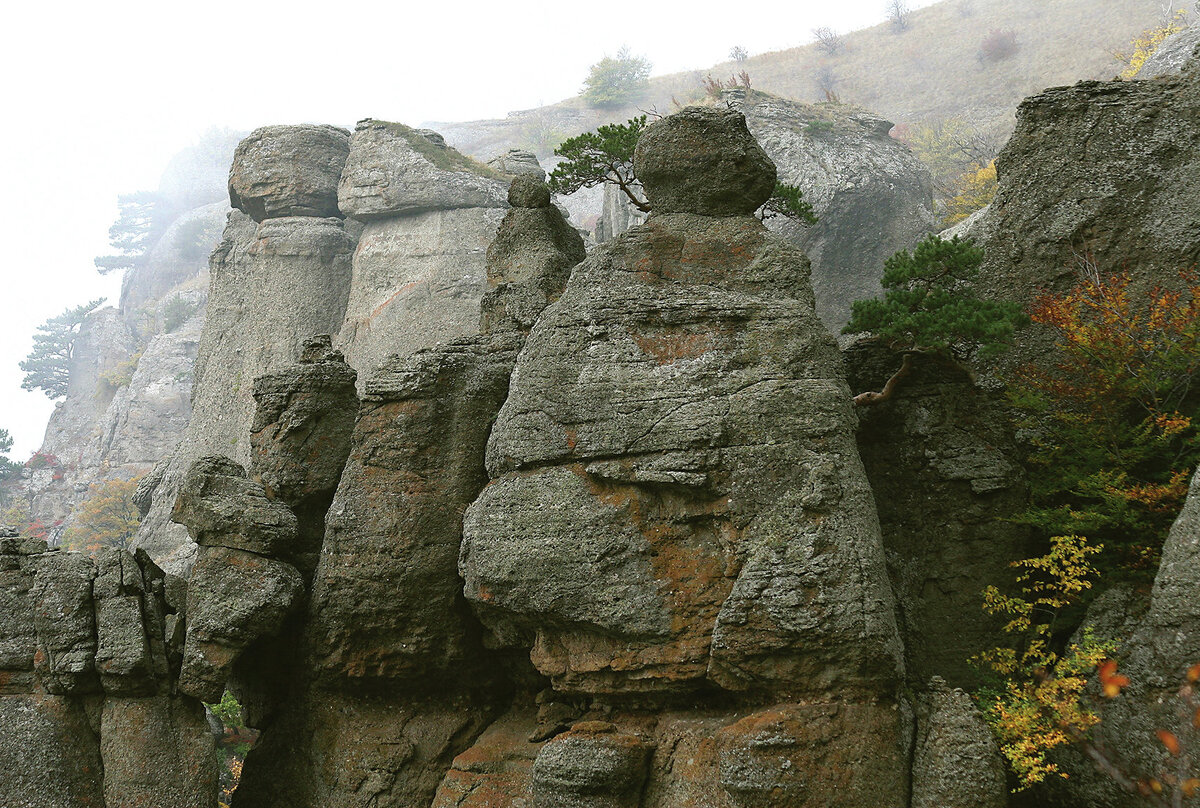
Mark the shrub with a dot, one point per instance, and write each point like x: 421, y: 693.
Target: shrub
x: 107, y: 518
x: 176, y: 312
x: 612, y: 82
x: 972, y: 191
x: 1147, y: 42
x: 116, y: 377
x: 1035, y: 704
x: 998, y: 45
x: 927, y: 308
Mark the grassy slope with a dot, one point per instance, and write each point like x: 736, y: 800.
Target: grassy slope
x: 929, y: 71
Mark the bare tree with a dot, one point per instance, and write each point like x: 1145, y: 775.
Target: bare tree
x: 827, y: 81
x: 828, y: 39
x: 738, y: 54
x: 898, y: 12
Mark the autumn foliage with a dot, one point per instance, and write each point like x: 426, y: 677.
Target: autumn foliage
x: 1113, y: 418
x: 107, y: 518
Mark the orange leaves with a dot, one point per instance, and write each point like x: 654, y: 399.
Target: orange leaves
x: 1169, y: 740
x: 1190, y: 787
x: 1111, y: 682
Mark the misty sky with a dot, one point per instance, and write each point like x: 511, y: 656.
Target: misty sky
x: 98, y: 97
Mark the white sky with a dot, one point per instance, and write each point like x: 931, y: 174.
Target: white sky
x: 98, y: 96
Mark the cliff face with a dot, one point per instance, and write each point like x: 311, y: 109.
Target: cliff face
x: 620, y: 540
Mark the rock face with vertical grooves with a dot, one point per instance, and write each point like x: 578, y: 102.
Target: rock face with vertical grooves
x: 388, y: 636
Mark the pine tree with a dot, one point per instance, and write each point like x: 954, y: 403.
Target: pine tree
x: 927, y: 308
x: 48, y: 365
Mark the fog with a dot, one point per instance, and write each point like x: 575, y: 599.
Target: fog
x: 98, y: 97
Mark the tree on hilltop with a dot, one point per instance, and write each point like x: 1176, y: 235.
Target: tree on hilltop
x: 612, y: 82
x: 48, y: 365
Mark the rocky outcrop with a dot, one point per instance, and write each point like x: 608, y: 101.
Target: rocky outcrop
x: 273, y: 285
x: 945, y: 468
x: 1075, y: 202
x: 1177, y: 53
x: 518, y: 161
x: 88, y: 707
x: 394, y: 170
x: 429, y: 216
x: 386, y: 613
x: 871, y: 195
x: 654, y: 528
x: 956, y: 763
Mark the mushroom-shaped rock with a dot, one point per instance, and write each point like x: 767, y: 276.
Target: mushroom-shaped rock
x: 288, y: 171
x: 703, y: 160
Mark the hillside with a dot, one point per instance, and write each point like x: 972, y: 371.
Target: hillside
x: 930, y: 72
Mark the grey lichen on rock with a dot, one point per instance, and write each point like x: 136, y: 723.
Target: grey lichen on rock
x: 957, y: 762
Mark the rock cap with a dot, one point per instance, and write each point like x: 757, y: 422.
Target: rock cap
x: 703, y: 160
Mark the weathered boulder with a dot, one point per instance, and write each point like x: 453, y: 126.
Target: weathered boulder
x: 871, y: 195
x: 394, y: 169
x: 289, y: 171
x: 1176, y: 53
x: 518, y: 162
x: 498, y: 768
x: 956, y: 763
x: 635, y: 523
x: 303, y: 419
x: 592, y: 766
x: 703, y: 160
x: 221, y: 507
x: 529, y: 260
x: 836, y: 754
x: 387, y: 603
x: 234, y: 599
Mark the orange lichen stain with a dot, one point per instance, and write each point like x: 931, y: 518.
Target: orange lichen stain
x: 572, y: 437
x: 375, y: 312
x: 673, y: 347
x: 484, y: 594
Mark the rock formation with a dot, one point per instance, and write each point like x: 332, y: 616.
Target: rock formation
x: 274, y: 282
x: 429, y: 214
x: 89, y: 656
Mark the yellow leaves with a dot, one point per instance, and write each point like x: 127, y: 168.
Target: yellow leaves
x: 1147, y: 42
x: 1190, y: 787
x: 970, y: 192
x: 107, y: 518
